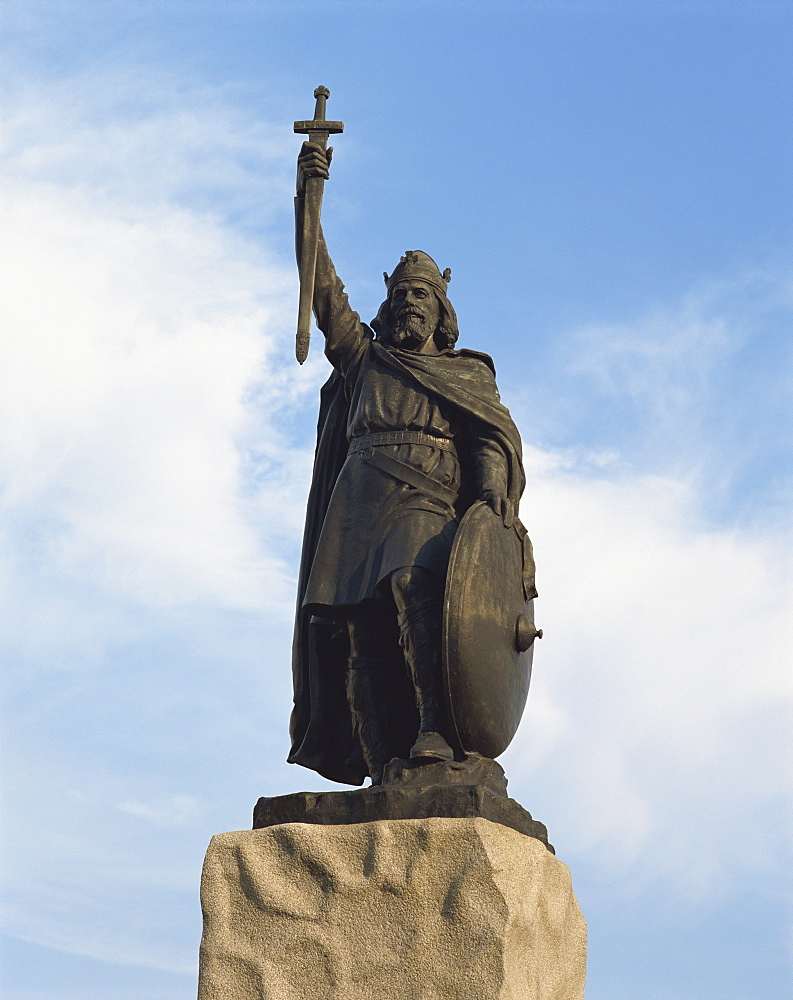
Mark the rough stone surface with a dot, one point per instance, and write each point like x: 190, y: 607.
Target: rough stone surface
x: 434, y: 909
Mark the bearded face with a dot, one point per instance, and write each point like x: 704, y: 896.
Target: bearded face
x: 411, y: 329
x: 415, y: 313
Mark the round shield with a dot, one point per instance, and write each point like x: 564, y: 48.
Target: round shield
x: 488, y: 632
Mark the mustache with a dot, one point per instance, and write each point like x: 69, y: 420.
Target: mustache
x: 411, y: 313
x: 412, y: 319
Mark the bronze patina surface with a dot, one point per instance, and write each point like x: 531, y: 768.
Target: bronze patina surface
x: 473, y: 787
x: 488, y: 630
x: 318, y: 129
x: 417, y: 462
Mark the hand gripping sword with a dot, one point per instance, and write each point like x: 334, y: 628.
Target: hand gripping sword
x: 317, y: 131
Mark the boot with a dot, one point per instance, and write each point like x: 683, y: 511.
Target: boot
x: 367, y: 707
x: 420, y: 630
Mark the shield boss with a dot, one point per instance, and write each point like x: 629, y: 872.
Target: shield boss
x: 488, y: 632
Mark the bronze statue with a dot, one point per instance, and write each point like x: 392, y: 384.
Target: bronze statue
x: 412, y: 440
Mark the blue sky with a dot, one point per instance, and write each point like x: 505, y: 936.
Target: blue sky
x: 611, y: 185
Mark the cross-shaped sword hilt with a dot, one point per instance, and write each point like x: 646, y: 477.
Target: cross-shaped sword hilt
x: 318, y: 129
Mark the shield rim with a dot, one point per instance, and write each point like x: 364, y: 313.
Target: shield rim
x: 454, y: 559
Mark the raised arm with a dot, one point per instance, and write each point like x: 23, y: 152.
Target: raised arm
x: 345, y: 335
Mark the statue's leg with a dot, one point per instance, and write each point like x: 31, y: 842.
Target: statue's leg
x: 418, y: 594
x: 365, y: 695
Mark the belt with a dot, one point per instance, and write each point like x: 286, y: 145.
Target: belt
x: 400, y: 437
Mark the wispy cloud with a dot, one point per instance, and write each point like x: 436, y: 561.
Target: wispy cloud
x: 152, y: 486
x: 136, y: 329
x: 663, y: 684
x: 697, y: 389
x: 150, y: 493
x: 663, y: 692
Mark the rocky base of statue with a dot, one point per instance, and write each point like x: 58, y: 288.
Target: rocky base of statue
x: 421, y: 909
x: 474, y: 787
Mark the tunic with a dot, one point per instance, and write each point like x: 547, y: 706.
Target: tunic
x: 375, y: 524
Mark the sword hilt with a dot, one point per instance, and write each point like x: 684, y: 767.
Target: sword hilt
x: 317, y: 129
x: 321, y: 94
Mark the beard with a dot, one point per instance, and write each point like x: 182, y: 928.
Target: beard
x: 411, y: 330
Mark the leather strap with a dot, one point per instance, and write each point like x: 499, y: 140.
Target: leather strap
x: 407, y: 474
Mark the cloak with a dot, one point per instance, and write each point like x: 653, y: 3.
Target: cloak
x: 320, y: 726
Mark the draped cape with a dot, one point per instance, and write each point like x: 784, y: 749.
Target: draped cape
x: 320, y: 726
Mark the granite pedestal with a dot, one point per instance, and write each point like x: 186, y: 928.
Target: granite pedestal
x: 430, y: 908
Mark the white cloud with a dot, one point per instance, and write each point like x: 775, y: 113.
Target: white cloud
x: 657, y: 732
x: 135, y: 328
x: 663, y: 682
x: 697, y: 390
x: 174, y: 810
x: 148, y: 486
x: 665, y: 579
x: 660, y: 363
x: 147, y: 464
x: 122, y: 137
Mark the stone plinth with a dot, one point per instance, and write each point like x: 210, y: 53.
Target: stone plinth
x: 403, y: 909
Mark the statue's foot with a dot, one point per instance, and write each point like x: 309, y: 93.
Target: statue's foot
x: 431, y: 746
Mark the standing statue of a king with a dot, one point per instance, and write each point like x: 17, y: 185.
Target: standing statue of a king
x: 411, y: 432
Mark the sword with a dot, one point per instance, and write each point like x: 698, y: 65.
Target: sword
x: 318, y: 131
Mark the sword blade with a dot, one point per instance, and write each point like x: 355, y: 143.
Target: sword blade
x: 312, y: 208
